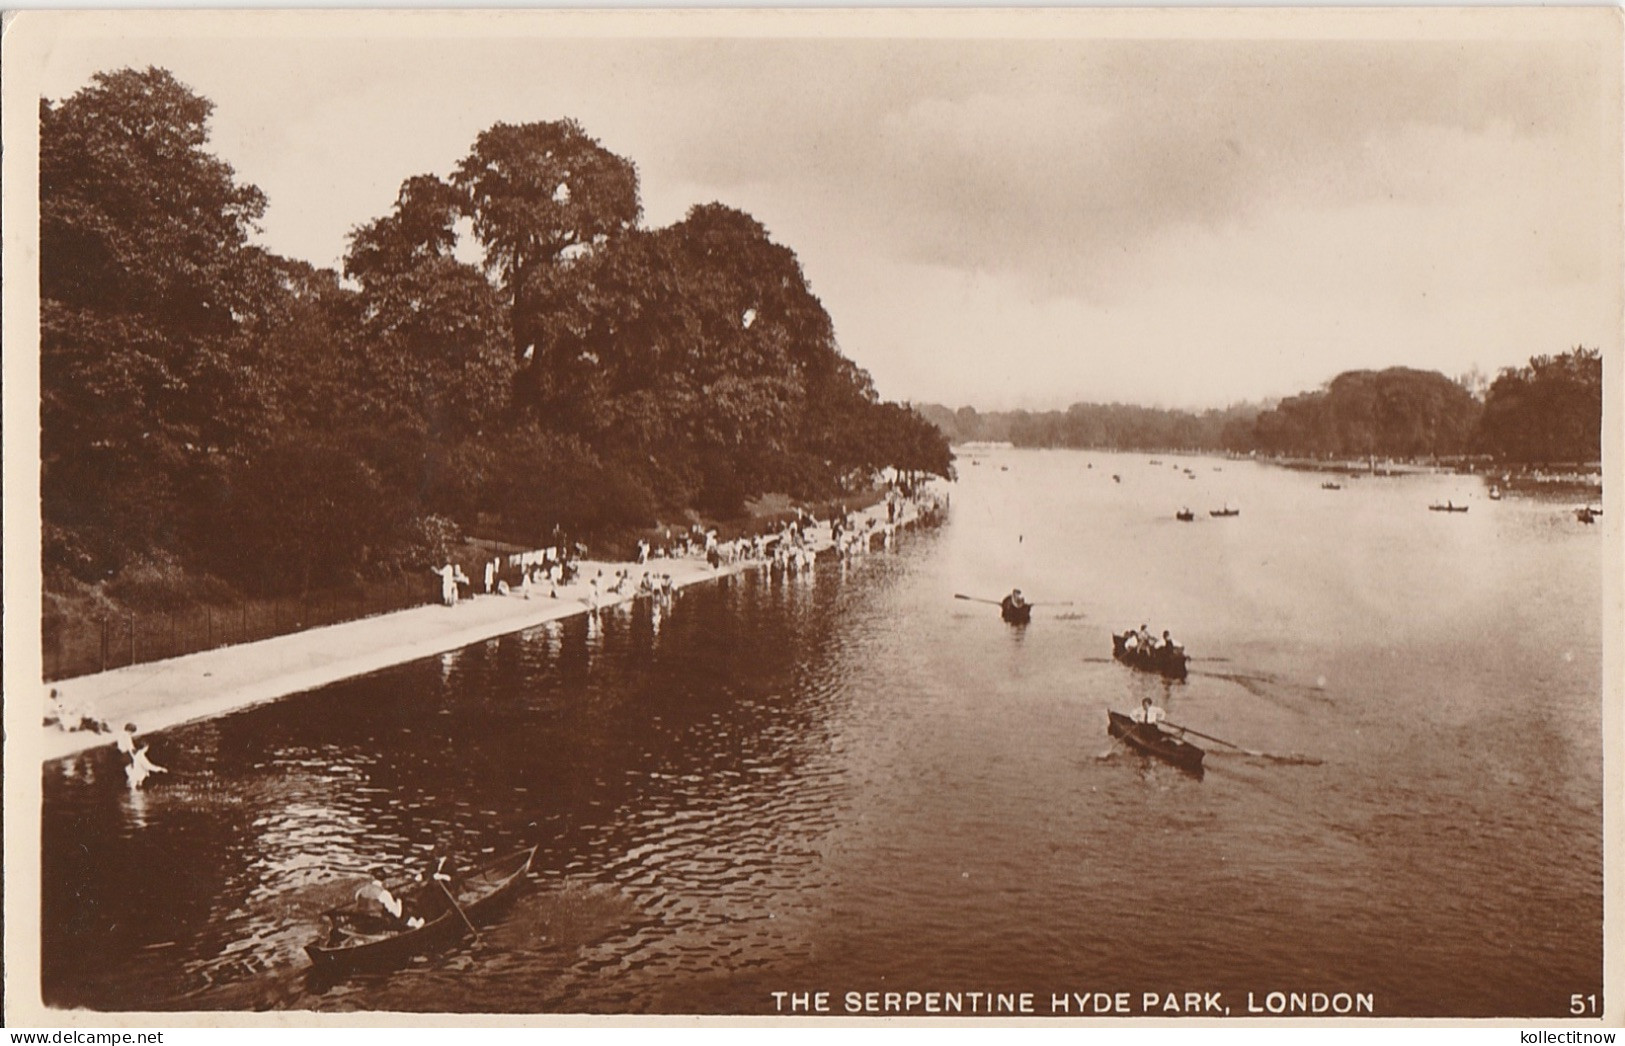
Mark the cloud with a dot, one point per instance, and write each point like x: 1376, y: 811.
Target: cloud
x: 1021, y: 220
x: 1053, y: 158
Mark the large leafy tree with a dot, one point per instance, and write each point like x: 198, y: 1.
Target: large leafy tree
x: 1548, y: 411
x: 432, y: 352
x: 147, y: 281
x: 535, y: 191
x: 1397, y: 412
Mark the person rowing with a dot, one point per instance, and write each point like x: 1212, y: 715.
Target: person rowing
x: 1149, y: 714
x: 1014, y: 607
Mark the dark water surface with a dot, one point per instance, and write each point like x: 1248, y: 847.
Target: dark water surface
x: 858, y: 783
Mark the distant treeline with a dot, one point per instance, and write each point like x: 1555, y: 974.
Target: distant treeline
x: 1096, y: 425
x: 1547, y: 412
x: 211, y: 408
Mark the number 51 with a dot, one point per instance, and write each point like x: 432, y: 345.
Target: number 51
x: 1582, y: 1003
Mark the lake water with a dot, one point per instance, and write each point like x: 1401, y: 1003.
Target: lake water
x: 858, y: 783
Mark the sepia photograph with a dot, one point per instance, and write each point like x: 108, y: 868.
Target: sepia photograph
x: 881, y: 515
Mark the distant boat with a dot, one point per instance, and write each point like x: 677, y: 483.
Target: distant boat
x: 1448, y: 506
x: 1154, y: 461
x: 1495, y: 493
x: 1116, y: 478
x: 1328, y: 485
x: 1184, y: 515
x: 1587, y: 514
x: 1222, y: 512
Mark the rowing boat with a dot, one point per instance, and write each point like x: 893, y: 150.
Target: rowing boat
x: 1154, y: 741
x: 1167, y: 661
x: 361, y: 937
x: 1016, y: 613
x: 1449, y: 506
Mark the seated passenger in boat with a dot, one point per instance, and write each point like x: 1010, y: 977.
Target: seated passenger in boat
x: 374, y: 897
x: 1013, y: 602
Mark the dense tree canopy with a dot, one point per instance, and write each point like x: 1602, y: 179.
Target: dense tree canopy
x: 1393, y: 413
x: 1549, y: 411
x: 282, y: 427
x: 149, y: 292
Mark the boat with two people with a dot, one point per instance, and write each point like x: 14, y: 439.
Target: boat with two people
x: 1185, y: 515
x: 380, y: 930
x: 1448, y: 506
x: 1224, y: 513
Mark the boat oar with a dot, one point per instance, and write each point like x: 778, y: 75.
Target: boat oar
x: 976, y: 599
x: 1248, y: 751
x: 440, y: 881
x: 1210, y: 737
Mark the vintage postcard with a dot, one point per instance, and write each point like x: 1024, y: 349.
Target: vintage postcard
x: 893, y: 515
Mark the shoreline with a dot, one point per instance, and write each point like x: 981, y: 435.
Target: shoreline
x: 161, y: 695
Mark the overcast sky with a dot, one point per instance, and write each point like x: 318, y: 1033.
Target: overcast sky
x: 1025, y: 212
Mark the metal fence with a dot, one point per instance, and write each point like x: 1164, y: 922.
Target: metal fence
x: 76, y: 647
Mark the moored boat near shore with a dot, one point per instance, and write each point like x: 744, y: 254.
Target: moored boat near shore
x: 1167, y: 661
x: 1154, y: 741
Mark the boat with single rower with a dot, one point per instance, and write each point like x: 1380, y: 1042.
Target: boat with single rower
x: 1016, y: 613
x: 1152, y: 740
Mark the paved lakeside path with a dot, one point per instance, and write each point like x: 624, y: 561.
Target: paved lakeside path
x: 158, y: 695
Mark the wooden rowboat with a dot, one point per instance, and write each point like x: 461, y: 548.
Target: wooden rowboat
x: 1184, y: 515
x: 1449, y: 506
x: 1154, y: 741
x: 1016, y: 613
x: 363, y: 938
x: 1164, y: 661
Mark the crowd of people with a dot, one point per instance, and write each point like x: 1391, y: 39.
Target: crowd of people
x: 789, y: 547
